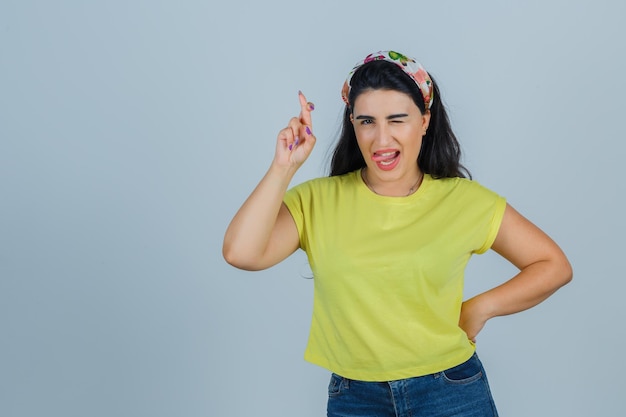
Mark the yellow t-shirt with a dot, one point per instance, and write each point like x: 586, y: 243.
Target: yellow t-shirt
x: 388, y: 272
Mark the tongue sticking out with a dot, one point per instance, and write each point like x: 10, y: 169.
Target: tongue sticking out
x: 386, y: 160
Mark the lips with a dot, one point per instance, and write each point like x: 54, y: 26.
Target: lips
x: 386, y: 159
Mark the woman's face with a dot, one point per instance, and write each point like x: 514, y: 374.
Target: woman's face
x: 389, y: 128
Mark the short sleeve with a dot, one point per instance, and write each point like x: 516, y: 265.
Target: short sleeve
x: 494, y: 224
x: 294, y: 203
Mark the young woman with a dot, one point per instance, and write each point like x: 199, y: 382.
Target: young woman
x: 388, y: 236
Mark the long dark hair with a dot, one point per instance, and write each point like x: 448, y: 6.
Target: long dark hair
x: 440, y: 154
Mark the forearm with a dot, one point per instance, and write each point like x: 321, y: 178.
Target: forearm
x: 532, y: 285
x: 248, y: 235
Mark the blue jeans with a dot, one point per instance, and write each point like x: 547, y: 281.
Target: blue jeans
x: 462, y: 391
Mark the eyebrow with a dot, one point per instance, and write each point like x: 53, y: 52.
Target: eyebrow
x: 391, y: 116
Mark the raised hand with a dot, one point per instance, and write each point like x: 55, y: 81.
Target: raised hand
x: 263, y: 233
x: 296, y: 141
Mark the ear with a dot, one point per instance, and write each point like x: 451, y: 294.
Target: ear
x: 426, y: 120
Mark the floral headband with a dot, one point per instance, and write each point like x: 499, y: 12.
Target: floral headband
x: 410, y: 66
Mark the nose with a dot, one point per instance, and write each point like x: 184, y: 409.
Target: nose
x: 383, y: 135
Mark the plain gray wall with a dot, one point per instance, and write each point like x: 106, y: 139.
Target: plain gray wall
x: 131, y: 131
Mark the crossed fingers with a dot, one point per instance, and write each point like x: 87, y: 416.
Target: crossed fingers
x: 302, y: 125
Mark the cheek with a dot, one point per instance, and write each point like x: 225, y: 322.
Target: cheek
x: 364, y: 136
x: 413, y: 134
x: 361, y: 144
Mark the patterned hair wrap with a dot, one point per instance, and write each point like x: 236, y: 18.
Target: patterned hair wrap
x: 410, y: 66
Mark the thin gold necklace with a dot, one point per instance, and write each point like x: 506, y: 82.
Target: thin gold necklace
x: 411, y: 190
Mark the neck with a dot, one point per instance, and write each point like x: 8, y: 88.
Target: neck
x: 395, y: 189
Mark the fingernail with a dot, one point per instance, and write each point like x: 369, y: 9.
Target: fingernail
x: 311, y: 106
x: 290, y: 146
x: 308, y: 131
x: 297, y: 140
x: 299, y: 92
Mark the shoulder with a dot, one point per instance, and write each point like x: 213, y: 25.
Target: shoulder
x: 324, y: 184
x: 464, y: 195
x: 319, y: 194
x: 461, y: 187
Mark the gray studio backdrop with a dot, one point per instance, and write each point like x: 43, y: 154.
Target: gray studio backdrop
x: 131, y: 131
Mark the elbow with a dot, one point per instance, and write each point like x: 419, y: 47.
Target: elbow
x: 563, y: 272
x: 229, y: 256
x: 568, y: 273
x: 233, y: 257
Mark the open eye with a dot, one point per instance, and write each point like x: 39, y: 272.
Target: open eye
x: 366, y: 122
